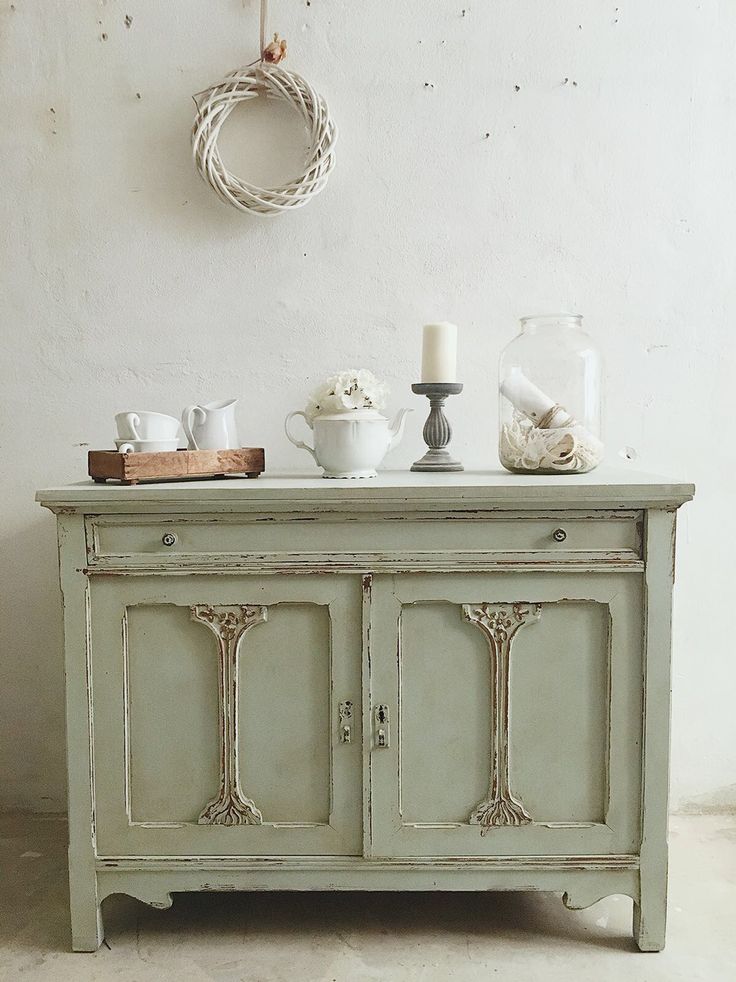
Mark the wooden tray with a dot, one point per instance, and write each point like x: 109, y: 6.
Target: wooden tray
x: 175, y: 465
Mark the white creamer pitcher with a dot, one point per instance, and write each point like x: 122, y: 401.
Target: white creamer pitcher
x: 211, y: 426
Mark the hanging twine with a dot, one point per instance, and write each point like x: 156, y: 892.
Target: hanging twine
x: 263, y: 76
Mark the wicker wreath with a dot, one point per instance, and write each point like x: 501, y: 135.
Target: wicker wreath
x: 215, y: 104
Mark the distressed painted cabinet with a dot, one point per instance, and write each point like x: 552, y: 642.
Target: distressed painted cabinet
x: 422, y: 682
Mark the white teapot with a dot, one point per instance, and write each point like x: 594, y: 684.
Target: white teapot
x: 350, y: 444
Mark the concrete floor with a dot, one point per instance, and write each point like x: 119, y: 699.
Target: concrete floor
x: 353, y: 937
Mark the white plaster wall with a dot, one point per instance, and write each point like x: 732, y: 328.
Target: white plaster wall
x: 126, y: 284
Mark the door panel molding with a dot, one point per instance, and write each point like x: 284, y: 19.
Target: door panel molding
x: 499, y: 624
x: 229, y: 624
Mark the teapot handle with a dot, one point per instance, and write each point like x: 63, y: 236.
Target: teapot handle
x: 299, y: 443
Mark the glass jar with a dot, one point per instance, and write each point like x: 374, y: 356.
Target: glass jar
x: 550, y: 398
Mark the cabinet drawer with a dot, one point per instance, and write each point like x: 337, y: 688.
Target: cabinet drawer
x: 334, y: 539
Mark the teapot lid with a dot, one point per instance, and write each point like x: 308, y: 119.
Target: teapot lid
x: 361, y: 415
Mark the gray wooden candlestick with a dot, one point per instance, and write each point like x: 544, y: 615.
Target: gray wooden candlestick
x: 437, y: 430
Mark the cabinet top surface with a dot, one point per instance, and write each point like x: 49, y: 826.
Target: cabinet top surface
x: 604, y: 487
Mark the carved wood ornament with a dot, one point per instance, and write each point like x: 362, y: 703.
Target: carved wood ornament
x: 230, y: 806
x: 500, y: 623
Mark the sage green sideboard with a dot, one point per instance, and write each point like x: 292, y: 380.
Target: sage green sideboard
x: 421, y: 682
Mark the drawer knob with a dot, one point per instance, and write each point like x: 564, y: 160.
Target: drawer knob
x: 169, y: 538
x: 559, y: 535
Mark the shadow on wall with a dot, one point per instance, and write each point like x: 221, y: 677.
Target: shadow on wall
x: 32, y: 757
x: 722, y: 801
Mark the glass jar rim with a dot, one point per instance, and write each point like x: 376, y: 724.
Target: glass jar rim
x: 557, y: 318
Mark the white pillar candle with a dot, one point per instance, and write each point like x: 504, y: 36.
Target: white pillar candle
x: 439, y: 352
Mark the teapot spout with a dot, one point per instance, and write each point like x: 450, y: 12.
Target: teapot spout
x: 396, y: 430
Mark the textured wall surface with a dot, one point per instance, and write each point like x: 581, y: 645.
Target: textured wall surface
x: 495, y: 159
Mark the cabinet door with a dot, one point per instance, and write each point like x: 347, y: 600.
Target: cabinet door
x: 226, y: 714
x: 506, y: 714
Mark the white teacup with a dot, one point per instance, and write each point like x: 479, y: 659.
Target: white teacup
x: 146, y: 446
x: 147, y: 426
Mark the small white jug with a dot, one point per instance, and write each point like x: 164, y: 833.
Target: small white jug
x: 211, y: 426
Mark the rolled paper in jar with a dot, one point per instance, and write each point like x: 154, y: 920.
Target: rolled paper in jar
x: 529, y: 400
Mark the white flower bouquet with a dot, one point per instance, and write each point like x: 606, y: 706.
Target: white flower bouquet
x: 346, y: 391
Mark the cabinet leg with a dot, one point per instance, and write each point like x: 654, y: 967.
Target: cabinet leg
x: 87, y: 930
x: 650, y: 919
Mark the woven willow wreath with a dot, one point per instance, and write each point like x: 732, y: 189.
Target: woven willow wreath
x: 214, y: 107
